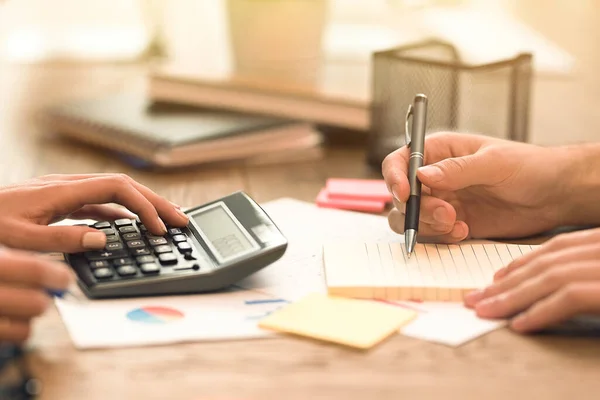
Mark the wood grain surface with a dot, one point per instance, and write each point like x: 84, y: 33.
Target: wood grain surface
x: 501, y: 365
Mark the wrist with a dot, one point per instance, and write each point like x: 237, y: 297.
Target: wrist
x: 580, y: 191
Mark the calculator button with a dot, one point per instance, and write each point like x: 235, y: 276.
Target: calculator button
x: 150, y: 268
x: 108, y: 231
x: 122, y: 222
x: 102, y: 225
x: 123, y: 261
x: 103, y: 273
x: 112, y: 238
x: 145, y: 259
x: 184, y: 247
x: 136, y: 244
x: 104, y: 255
x: 132, y: 236
x: 127, y: 270
x: 167, y: 258
x: 99, y: 264
x: 175, y: 231
x: 127, y: 229
x: 179, y: 238
x: 162, y: 249
x: 114, y: 246
x: 187, y: 266
x: 142, y: 228
x: 189, y: 257
x: 158, y: 241
x: 141, y: 252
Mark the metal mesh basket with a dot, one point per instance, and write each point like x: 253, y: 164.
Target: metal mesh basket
x: 490, y: 99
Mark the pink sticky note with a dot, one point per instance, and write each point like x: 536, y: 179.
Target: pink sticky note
x: 324, y: 200
x: 358, y: 189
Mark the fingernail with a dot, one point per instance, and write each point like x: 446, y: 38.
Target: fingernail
x: 440, y: 215
x: 55, y: 274
x: 72, y: 275
x: 488, y: 305
x: 94, y: 240
x: 176, y: 205
x: 519, y: 322
x: 163, y: 227
x: 396, y: 191
x: 432, y: 172
x: 459, y: 231
x: 473, y: 297
x: 500, y: 273
x: 183, y: 215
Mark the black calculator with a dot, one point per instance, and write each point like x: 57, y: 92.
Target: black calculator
x: 225, y: 241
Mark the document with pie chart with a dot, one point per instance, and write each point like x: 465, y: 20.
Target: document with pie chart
x: 166, y: 319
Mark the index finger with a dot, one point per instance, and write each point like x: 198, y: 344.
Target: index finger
x: 167, y: 210
x: 110, y: 189
x: 395, y: 173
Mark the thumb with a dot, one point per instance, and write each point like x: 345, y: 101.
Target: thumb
x: 457, y: 173
x: 65, y: 239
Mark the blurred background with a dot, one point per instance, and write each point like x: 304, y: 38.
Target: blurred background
x: 290, y: 38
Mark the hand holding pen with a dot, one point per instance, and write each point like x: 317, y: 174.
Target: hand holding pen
x: 27, y: 283
x: 415, y: 141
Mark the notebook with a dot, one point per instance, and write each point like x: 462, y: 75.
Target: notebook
x: 176, y: 136
x: 434, y: 272
x: 340, y: 97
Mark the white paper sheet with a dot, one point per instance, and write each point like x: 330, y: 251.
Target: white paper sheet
x: 307, y: 227
x: 451, y: 324
x: 138, y: 322
x: 227, y: 316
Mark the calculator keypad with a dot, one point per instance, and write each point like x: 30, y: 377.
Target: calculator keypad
x: 133, y: 252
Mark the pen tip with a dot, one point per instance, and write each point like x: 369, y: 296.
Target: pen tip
x: 409, y: 254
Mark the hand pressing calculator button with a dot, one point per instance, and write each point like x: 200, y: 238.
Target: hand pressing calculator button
x: 218, y: 248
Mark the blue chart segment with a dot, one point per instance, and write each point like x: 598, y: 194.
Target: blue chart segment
x: 154, y: 315
x: 261, y: 312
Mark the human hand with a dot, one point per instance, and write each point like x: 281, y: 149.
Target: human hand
x: 549, y: 285
x: 24, y: 279
x: 28, y: 208
x: 478, y: 187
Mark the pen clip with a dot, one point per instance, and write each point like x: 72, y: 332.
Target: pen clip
x: 409, y: 112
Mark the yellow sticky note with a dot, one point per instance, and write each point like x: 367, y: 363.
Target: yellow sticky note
x: 356, y: 323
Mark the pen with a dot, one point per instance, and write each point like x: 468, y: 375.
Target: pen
x: 415, y: 141
x: 61, y: 294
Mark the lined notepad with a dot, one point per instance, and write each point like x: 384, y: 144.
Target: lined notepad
x: 434, y: 272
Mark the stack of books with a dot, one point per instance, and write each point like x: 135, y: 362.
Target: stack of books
x: 189, y: 116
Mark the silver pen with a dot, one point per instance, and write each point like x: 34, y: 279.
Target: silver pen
x: 415, y: 141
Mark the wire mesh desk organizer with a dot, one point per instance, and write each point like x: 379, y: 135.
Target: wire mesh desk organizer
x: 490, y: 99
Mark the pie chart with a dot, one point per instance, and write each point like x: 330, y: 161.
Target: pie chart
x: 154, y: 315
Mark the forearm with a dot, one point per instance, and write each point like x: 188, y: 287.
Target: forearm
x: 581, y: 178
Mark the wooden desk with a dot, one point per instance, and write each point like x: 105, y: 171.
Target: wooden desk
x: 498, y: 366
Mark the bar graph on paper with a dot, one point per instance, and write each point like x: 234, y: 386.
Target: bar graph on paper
x: 435, y: 272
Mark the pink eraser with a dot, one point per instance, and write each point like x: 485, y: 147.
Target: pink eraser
x: 359, y: 189
x: 324, y: 200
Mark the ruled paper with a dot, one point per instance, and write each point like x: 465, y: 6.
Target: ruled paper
x: 435, y: 272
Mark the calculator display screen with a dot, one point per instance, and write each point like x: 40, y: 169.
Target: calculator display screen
x: 224, y: 233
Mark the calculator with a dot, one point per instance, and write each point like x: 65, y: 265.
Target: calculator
x: 225, y: 241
